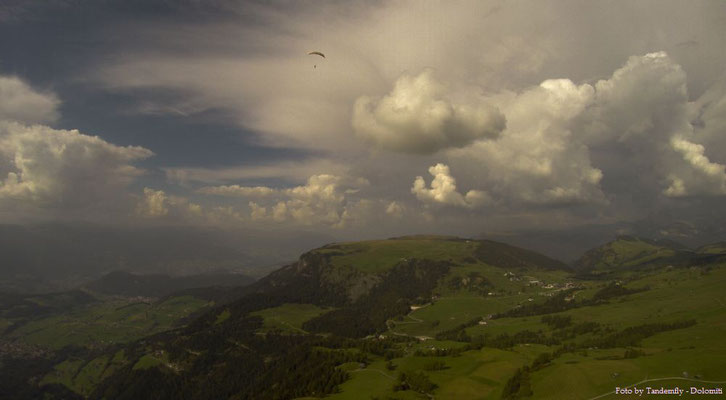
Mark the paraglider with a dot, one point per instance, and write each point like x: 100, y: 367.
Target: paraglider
x: 316, y: 53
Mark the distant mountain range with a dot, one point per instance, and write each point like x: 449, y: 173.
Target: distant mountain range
x: 53, y: 257
x: 124, y: 283
x: 629, y: 252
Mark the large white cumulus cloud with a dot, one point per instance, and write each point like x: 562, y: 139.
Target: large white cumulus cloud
x: 55, y: 169
x: 643, y: 115
x: 420, y: 116
x: 60, y: 168
x: 629, y: 135
x: 645, y: 100
x: 538, y: 159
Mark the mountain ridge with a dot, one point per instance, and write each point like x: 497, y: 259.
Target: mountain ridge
x: 632, y: 252
x: 425, y: 311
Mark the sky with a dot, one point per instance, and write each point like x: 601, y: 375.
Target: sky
x: 504, y: 119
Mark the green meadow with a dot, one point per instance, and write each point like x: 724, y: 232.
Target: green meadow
x: 380, y: 255
x: 478, y: 374
x: 82, y: 376
x: 682, y: 357
x: 106, y: 323
x: 288, y: 317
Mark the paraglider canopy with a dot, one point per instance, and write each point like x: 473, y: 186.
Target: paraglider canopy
x: 316, y: 53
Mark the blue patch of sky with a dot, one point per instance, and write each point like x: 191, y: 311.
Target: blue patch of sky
x: 48, y: 45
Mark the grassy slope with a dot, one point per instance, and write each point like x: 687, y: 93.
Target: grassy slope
x: 380, y: 255
x: 698, y: 350
x: 113, y: 321
x: 82, y: 376
x: 675, y: 294
x: 474, y: 374
x: 288, y: 317
x: 623, y: 253
x: 637, y: 252
x: 715, y: 248
x: 471, y: 375
x: 455, y: 307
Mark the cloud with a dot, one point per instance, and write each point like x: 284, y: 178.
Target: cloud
x: 630, y: 136
x: 419, y: 116
x: 643, y: 116
x: 154, y: 203
x: 443, y: 190
x: 564, y: 143
x: 645, y: 100
x: 268, y: 84
x: 160, y: 206
x: 395, y: 209
x: 57, y: 173
x: 693, y: 154
x: 293, y: 171
x: 704, y: 177
x: 538, y: 159
x: 51, y: 168
x: 241, y: 191
x: 620, y: 132
x: 710, y: 122
x: 324, y: 200
x: 600, y: 136
x: 20, y: 103
x: 273, y: 93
